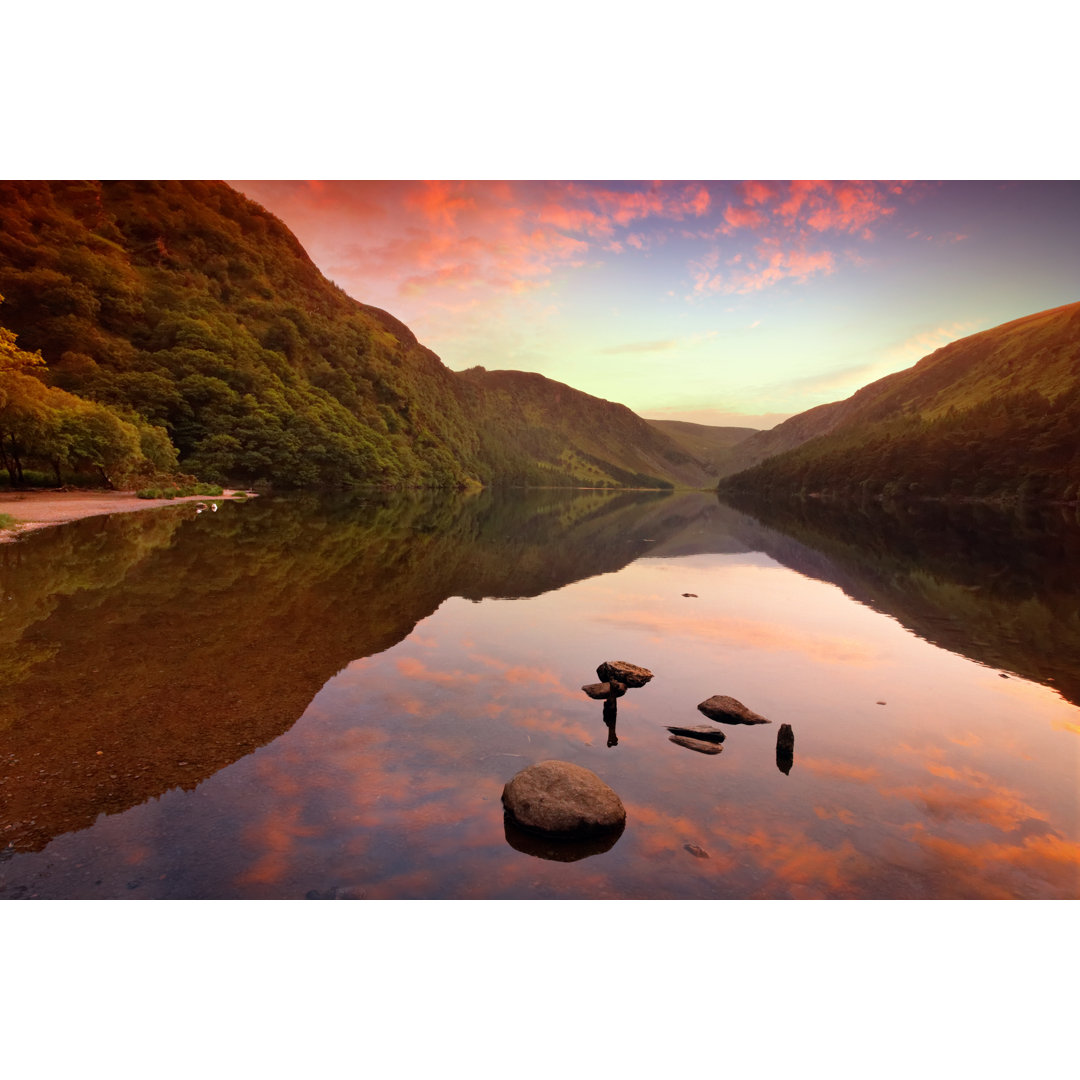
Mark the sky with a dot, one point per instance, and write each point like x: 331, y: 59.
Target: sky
x: 718, y: 302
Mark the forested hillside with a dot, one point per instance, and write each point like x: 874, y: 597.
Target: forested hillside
x: 186, y: 308
x: 992, y: 416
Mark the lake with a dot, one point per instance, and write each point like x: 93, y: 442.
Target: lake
x: 323, y: 698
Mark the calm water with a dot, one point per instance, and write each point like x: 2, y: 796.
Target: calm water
x: 294, y: 697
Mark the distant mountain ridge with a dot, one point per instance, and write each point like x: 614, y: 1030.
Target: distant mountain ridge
x: 993, y: 415
x: 712, y: 445
x: 544, y: 432
x: 188, y: 305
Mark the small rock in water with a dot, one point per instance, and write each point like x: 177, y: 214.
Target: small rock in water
x: 1002, y: 675
x: 881, y: 702
x: 700, y: 745
x: 619, y: 670
x: 729, y: 711
x: 602, y: 690
x: 696, y: 851
x: 785, y: 748
x: 709, y: 734
x: 558, y: 798
x: 693, y: 594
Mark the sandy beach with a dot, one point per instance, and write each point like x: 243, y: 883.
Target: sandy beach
x: 40, y: 509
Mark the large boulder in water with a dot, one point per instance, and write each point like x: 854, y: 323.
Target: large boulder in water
x: 557, y: 798
x: 620, y: 671
x: 729, y: 711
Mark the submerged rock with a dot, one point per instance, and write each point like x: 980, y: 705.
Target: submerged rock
x: 629, y: 674
x: 602, y: 690
x: 700, y: 745
x: 557, y: 798
x: 729, y: 711
x: 709, y: 734
x: 697, y: 851
x: 785, y: 748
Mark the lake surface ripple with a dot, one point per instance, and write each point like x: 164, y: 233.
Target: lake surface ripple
x: 323, y: 698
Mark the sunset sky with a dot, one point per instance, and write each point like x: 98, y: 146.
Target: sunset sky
x: 718, y: 302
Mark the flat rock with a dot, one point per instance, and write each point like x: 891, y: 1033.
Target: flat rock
x: 729, y: 711
x: 709, y: 734
x: 700, y: 745
x: 697, y: 851
x: 557, y: 798
x: 601, y: 690
x: 628, y: 674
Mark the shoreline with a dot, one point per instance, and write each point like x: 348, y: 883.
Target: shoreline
x: 38, y: 509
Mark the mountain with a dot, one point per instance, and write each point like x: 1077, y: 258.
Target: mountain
x: 188, y: 307
x: 991, y: 416
x: 712, y: 445
x: 540, y: 432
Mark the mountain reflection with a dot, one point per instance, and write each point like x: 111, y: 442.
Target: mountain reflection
x: 145, y: 652
x: 998, y: 586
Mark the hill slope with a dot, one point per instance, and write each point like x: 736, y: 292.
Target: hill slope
x: 709, y: 444
x: 537, y: 431
x: 188, y: 305
x: 993, y: 415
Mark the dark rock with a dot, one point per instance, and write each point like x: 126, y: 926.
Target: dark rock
x: 785, y: 748
x: 696, y: 851
x: 629, y: 674
x: 558, y: 848
x: 729, y: 711
x: 709, y: 734
x: 558, y: 798
x: 611, y: 715
x: 700, y: 745
x: 601, y: 690
x: 693, y: 594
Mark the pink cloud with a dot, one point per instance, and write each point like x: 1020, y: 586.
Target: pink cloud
x: 739, y: 217
x: 449, y: 241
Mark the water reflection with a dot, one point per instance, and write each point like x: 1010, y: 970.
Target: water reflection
x: 559, y: 849
x: 610, y: 717
x: 292, y: 698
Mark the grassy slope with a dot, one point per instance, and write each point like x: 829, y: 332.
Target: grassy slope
x: 712, y: 445
x: 991, y: 415
x: 540, y: 431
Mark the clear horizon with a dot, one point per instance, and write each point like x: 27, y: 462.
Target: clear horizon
x: 717, y: 302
